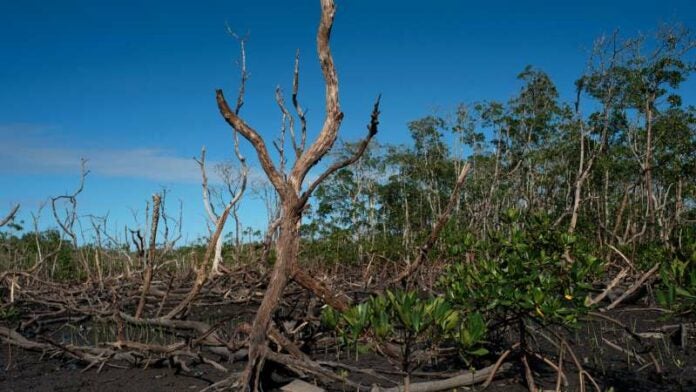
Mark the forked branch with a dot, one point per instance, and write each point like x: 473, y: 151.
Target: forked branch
x: 235, y: 194
x: 256, y: 141
x: 66, y: 224
x: 334, y: 116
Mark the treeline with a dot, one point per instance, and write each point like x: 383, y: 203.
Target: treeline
x: 616, y: 167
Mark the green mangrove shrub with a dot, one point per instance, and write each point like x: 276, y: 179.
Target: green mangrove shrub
x: 677, y: 288
x: 413, y: 323
x: 527, y: 271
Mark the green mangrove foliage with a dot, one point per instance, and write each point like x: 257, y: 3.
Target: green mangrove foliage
x: 528, y: 271
x: 410, y: 321
x: 678, y: 281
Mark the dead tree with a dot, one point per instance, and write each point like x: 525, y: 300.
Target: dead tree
x: 291, y: 190
x: 150, y: 260
x: 235, y: 194
x: 202, y: 271
x: 67, y: 222
x: 607, y: 59
x: 214, y: 248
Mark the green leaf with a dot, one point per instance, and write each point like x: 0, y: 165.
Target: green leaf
x: 479, y: 352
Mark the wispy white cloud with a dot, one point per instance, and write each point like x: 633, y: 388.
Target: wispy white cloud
x: 23, y: 152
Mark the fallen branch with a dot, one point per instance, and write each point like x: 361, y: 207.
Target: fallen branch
x: 622, y: 350
x: 634, y: 287
x: 462, y: 380
x: 497, y: 365
x: 622, y: 274
x: 623, y: 256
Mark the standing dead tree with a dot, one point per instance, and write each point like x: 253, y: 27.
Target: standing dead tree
x: 289, y: 187
x: 67, y: 222
x: 150, y: 259
x: 236, y: 196
x: 241, y: 180
x: 214, y: 248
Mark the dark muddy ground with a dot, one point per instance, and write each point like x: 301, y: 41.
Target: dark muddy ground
x: 633, y: 348
x: 657, y: 354
x: 639, y: 349
x: 27, y: 371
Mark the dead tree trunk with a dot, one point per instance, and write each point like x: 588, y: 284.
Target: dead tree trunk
x: 287, y: 248
x: 147, y: 273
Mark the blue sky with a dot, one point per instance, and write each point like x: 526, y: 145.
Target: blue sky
x: 130, y: 84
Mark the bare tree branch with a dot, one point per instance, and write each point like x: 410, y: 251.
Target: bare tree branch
x: 287, y: 121
x: 371, y: 132
x: 301, y: 114
x: 256, y: 141
x: 209, y: 207
x: 10, y: 216
x: 68, y: 222
x: 334, y: 116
